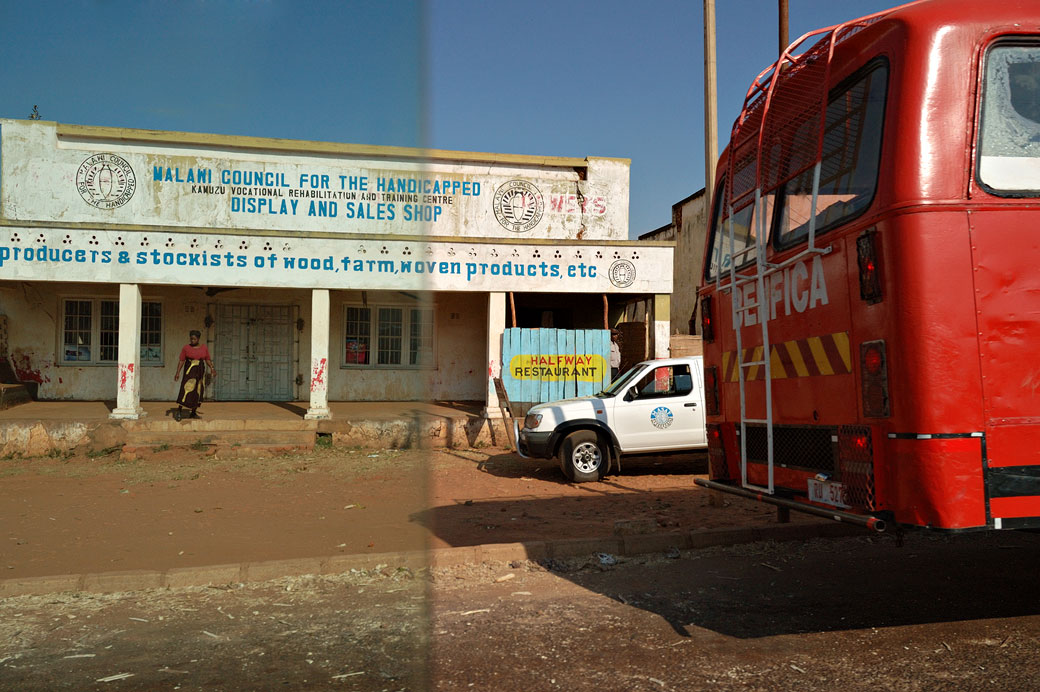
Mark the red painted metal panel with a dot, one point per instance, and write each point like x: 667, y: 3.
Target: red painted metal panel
x: 1013, y: 445
x: 1015, y: 507
x: 935, y: 482
x: 1005, y: 249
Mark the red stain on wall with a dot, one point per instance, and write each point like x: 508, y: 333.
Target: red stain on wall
x: 125, y: 372
x: 24, y: 370
x: 318, y: 374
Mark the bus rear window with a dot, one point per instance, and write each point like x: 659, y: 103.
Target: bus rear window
x: 849, y: 166
x: 1009, y: 142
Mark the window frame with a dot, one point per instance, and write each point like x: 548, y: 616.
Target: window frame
x: 97, y: 329
x: 382, y: 344
x: 839, y: 90
x: 983, y: 92
x: 651, y: 377
x: 714, y: 230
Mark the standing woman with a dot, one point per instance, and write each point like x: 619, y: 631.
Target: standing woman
x: 193, y: 386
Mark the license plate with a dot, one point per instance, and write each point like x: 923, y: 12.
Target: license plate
x: 828, y: 492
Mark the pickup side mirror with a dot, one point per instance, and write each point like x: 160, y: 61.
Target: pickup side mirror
x: 631, y: 394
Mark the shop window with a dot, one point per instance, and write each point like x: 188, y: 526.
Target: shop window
x: 390, y: 330
x: 90, y: 334
x: 151, y: 333
x: 403, y: 336
x: 358, y: 335
x: 420, y: 342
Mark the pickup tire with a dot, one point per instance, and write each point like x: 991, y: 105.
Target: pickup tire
x: 583, y: 457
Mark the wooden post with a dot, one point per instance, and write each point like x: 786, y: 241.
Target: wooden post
x: 711, y: 124
x: 507, y: 413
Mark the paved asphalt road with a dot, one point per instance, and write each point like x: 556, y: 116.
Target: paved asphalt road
x: 855, y: 613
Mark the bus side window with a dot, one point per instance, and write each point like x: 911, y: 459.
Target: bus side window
x: 744, y: 232
x: 719, y: 256
x: 1009, y: 141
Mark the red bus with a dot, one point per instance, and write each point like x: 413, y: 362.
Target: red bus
x: 871, y: 297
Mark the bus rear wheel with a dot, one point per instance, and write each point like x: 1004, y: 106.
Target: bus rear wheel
x: 583, y: 457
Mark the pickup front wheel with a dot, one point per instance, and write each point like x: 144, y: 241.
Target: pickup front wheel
x: 583, y: 457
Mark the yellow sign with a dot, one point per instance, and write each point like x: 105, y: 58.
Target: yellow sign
x: 557, y: 367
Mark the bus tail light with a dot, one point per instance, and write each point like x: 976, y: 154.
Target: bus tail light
x: 874, y: 372
x: 707, y: 327
x: 869, y: 271
x: 717, y: 469
x: 711, y: 391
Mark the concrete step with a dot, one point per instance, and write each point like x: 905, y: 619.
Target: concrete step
x: 296, y: 439
x: 204, y: 424
x: 13, y: 395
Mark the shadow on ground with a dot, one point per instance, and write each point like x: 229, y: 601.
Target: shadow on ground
x: 520, y: 502
x: 763, y: 589
x: 851, y: 583
x: 510, y: 465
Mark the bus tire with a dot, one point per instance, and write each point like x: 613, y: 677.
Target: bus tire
x: 583, y: 457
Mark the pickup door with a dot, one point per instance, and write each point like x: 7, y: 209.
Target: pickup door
x: 662, y: 410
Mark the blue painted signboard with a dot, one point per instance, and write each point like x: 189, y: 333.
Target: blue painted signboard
x: 540, y: 365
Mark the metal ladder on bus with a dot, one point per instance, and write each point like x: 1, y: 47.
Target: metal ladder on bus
x: 761, y: 356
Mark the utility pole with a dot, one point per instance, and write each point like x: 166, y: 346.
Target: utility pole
x: 784, y: 40
x: 711, y: 124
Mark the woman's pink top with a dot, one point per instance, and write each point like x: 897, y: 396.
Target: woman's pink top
x: 190, y: 352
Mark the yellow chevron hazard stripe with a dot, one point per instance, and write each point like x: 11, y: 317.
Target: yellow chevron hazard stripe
x: 828, y: 354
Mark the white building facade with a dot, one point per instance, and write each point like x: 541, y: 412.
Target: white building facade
x: 315, y: 271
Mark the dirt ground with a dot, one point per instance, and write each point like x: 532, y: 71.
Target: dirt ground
x: 172, y: 508
x: 858, y: 614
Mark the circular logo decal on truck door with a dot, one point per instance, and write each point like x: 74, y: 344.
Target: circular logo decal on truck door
x: 661, y: 417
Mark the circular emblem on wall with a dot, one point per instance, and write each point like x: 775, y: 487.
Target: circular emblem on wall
x: 661, y: 417
x: 622, y: 273
x: 106, y: 181
x: 518, y: 206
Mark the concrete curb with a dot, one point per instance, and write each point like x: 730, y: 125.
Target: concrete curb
x: 33, y: 438
x: 626, y: 546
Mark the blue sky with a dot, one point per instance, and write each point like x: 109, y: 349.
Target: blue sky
x: 547, y: 77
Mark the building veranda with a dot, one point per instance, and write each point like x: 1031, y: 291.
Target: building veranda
x: 314, y: 271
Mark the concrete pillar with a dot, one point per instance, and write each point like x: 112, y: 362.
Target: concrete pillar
x: 496, y: 327
x: 319, y: 408
x: 128, y: 391
x: 661, y: 326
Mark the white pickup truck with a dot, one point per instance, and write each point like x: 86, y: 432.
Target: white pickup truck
x: 656, y: 406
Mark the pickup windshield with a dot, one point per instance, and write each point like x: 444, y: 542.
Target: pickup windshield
x: 621, y: 382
